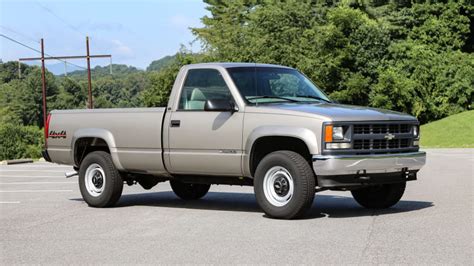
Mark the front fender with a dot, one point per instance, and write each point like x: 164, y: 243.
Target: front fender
x: 304, y: 134
x: 100, y: 133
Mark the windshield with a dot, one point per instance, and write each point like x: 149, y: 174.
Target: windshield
x: 273, y: 84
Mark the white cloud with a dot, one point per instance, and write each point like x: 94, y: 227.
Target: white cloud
x: 121, y: 50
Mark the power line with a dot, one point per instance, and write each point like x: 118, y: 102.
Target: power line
x: 36, y: 50
x: 22, y: 44
x: 19, y: 33
x: 59, y: 18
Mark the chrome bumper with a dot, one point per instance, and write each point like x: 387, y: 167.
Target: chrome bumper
x: 331, y: 165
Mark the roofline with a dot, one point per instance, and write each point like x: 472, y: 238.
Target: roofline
x: 237, y: 64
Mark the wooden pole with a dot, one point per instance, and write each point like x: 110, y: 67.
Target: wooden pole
x: 43, y: 81
x: 89, y: 73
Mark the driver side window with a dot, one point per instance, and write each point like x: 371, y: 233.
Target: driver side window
x: 201, y: 85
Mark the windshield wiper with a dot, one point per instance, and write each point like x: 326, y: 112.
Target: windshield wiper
x: 313, y: 97
x: 271, y: 97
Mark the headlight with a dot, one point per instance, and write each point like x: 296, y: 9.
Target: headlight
x: 416, y: 131
x: 337, y: 133
x: 337, y: 137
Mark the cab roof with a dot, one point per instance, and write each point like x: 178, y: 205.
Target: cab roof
x: 231, y: 65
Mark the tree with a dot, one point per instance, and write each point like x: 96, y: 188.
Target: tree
x: 71, y: 95
x: 161, y: 63
x: 424, y: 82
x: 410, y: 56
x: 31, y: 97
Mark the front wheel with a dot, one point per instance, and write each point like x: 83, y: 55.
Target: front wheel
x: 99, y: 181
x: 379, y: 196
x: 189, y: 191
x: 284, y: 185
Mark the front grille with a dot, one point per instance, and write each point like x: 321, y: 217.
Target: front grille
x: 379, y: 144
x: 382, y: 128
x: 382, y: 138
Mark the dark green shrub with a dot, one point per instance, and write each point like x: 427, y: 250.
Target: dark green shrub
x: 17, y: 141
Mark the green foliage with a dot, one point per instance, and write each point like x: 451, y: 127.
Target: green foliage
x: 17, y: 141
x: 24, y: 96
x: 9, y: 116
x: 411, y: 56
x: 9, y: 71
x: 456, y: 131
x: 71, y: 95
x: 161, y: 63
x: 101, y: 71
x: 425, y: 83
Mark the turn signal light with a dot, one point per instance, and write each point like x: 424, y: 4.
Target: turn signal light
x: 328, y: 133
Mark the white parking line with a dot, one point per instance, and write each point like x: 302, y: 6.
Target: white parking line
x: 28, y: 191
x: 35, y: 183
x: 35, y: 166
x: 9, y: 202
x: 47, y: 171
x: 28, y: 176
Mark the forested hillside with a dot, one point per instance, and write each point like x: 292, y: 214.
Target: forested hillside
x: 411, y: 56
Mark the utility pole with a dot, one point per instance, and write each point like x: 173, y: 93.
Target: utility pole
x: 43, y: 83
x: 89, y: 73
x: 88, y: 56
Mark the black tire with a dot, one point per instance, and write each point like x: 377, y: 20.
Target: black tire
x: 302, y: 178
x: 188, y: 191
x: 379, y: 196
x: 112, y: 181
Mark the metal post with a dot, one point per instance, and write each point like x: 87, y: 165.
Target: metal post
x: 19, y: 69
x: 89, y: 73
x: 43, y: 79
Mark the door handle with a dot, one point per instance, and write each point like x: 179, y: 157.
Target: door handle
x: 175, y: 123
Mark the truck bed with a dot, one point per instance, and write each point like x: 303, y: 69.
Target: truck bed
x: 133, y: 135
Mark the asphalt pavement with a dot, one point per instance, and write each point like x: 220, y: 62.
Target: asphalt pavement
x: 43, y: 220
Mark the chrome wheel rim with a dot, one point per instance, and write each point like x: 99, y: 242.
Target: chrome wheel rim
x: 95, y: 180
x: 278, y: 186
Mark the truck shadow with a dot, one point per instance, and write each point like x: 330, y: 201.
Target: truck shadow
x: 330, y: 206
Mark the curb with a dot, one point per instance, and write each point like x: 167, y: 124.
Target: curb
x: 18, y: 161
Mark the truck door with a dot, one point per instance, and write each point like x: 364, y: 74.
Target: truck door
x: 204, y: 142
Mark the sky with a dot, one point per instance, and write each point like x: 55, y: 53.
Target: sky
x: 134, y: 32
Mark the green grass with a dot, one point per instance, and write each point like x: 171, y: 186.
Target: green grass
x: 456, y: 131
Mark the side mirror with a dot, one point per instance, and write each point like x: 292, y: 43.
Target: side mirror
x: 220, y: 105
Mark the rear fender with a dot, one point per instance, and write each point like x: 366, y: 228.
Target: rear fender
x: 101, y: 134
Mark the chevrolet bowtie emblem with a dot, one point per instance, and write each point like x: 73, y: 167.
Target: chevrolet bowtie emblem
x: 389, y: 136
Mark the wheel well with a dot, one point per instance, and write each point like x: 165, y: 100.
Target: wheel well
x: 266, y: 145
x: 87, y: 145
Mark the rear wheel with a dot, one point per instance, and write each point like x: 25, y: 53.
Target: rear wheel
x: 189, y: 191
x: 99, y: 181
x: 284, y: 185
x: 380, y: 196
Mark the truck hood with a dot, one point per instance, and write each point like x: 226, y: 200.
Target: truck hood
x: 339, y: 112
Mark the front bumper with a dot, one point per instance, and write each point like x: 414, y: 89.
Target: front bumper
x: 351, y: 170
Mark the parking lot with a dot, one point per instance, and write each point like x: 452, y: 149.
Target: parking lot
x: 44, y: 220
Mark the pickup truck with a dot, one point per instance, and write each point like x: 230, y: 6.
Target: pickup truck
x: 266, y: 126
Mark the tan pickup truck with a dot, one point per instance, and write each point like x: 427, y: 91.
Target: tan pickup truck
x: 265, y: 126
